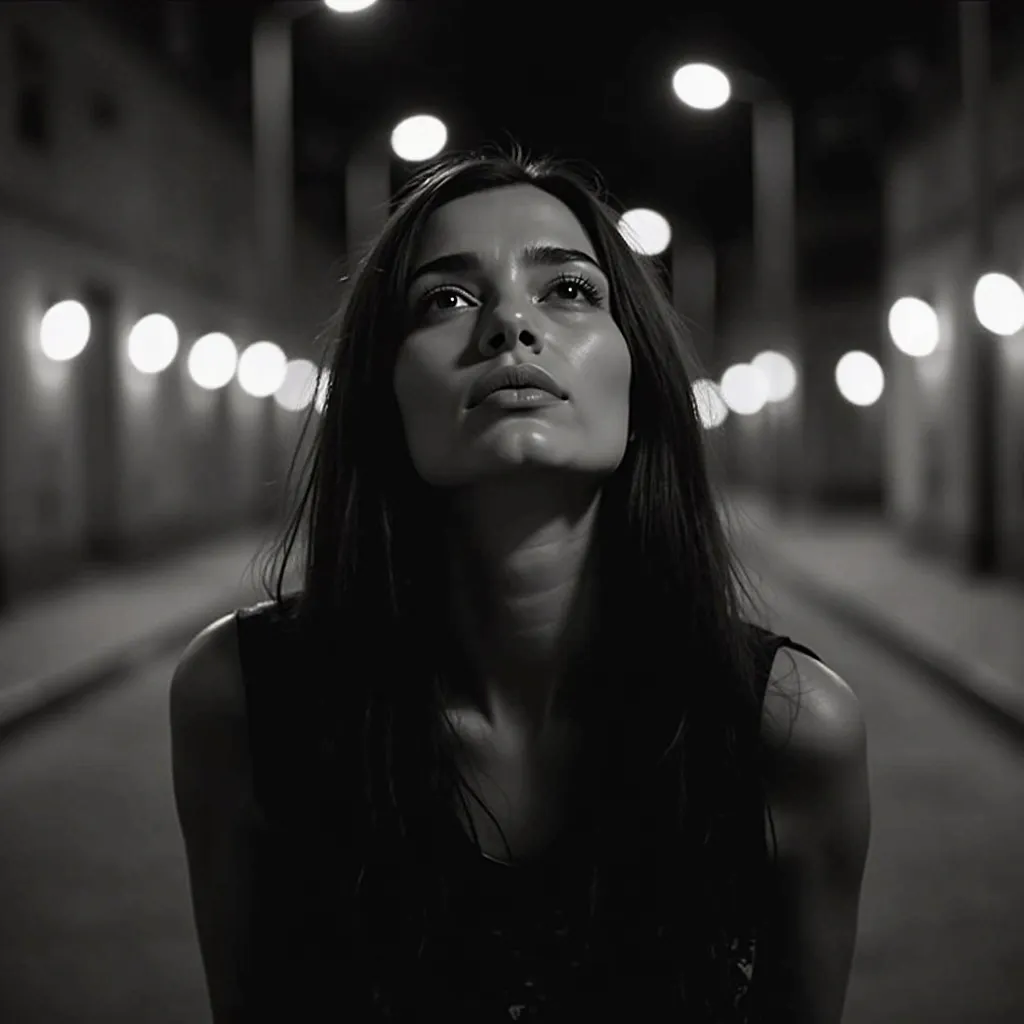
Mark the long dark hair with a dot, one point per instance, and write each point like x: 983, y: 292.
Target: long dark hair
x: 675, y: 697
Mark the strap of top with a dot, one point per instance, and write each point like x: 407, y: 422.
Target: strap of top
x: 768, y: 645
x: 278, y: 737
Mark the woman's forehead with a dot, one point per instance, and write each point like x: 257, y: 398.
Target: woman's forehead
x: 502, y: 221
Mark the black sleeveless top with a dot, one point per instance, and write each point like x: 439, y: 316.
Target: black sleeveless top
x: 512, y: 955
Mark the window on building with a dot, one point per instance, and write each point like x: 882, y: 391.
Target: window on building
x: 32, y: 71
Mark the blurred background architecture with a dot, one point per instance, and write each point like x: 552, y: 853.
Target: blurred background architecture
x: 835, y: 202
x: 180, y: 190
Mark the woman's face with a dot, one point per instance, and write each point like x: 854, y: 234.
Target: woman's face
x: 503, y: 279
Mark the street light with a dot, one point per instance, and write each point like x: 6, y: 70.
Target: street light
x: 744, y: 389
x: 780, y: 373
x: 981, y: 365
x: 646, y: 232
x: 212, y: 361
x: 273, y: 130
x: 999, y: 304
x: 153, y: 343
x: 367, y: 182
x: 261, y: 369
x: 348, y: 6
x: 702, y: 86
x: 914, y: 327
x: 298, y: 388
x: 417, y: 138
x: 705, y: 87
x: 859, y: 378
x: 64, y: 330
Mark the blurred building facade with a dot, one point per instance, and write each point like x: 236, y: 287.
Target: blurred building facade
x: 941, y: 453
x: 815, y: 449
x: 120, y: 190
x: 941, y: 426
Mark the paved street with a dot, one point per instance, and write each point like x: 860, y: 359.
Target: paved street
x: 96, y: 927
x: 941, y: 939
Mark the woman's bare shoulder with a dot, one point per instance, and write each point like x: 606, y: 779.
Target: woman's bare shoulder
x: 213, y: 795
x: 814, y: 732
x: 210, y: 753
x: 811, y: 714
x: 206, y: 688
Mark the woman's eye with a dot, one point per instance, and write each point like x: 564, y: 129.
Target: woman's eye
x: 442, y: 301
x: 575, y: 291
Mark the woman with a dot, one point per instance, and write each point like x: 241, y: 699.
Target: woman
x: 513, y: 752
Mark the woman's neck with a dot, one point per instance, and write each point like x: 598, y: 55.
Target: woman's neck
x: 523, y: 589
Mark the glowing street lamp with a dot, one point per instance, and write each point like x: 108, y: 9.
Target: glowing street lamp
x: 702, y: 86
x: 212, y: 361
x: 298, y: 388
x: 779, y: 372
x: 420, y: 137
x: 348, y: 6
x: 859, y: 378
x: 705, y: 87
x: 273, y: 131
x: 744, y: 389
x: 999, y: 304
x: 153, y: 343
x: 261, y: 369
x: 645, y: 231
x: 64, y: 330
x: 914, y: 327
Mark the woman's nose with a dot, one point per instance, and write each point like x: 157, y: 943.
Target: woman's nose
x: 507, y: 329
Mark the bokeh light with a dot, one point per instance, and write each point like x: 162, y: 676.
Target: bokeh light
x: 914, y: 327
x: 779, y: 372
x: 999, y: 304
x: 744, y: 389
x: 645, y: 231
x: 153, y: 343
x: 64, y: 330
x: 418, y: 138
x: 212, y: 361
x: 261, y: 369
x: 860, y: 378
x: 298, y: 387
x: 348, y: 6
x: 702, y: 86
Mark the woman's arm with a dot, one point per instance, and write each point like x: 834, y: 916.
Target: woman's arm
x: 212, y: 790
x: 819, y: 794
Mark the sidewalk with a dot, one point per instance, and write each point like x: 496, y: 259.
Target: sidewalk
x: 65, y: 642
x: 967, y: 633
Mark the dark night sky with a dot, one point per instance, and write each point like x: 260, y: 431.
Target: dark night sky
x: 590, y: 81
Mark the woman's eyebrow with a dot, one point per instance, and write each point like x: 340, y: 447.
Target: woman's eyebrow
x: 533, y: 255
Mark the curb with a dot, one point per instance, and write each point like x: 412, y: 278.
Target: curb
x: 35, y: 700
x: 982, y: 692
